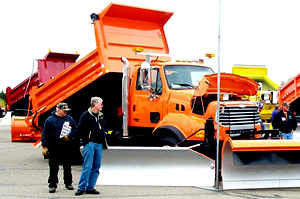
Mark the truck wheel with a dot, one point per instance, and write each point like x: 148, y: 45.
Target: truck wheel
x: 167, y: 141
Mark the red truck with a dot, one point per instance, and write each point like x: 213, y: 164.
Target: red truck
x: 290, y: 92
x: 17, y: 98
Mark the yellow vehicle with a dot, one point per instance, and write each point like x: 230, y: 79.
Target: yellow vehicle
x: 267, y: 94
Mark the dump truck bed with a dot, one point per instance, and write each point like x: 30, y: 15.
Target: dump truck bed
x: 14, y: 95
x: 290, y: 91
x: 257, y: 73
x: 52, y: 64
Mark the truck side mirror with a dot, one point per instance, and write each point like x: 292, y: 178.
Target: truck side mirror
x: 145, y: 75
x: 145, y: 79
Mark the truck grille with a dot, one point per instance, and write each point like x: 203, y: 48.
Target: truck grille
x: 239, y: 117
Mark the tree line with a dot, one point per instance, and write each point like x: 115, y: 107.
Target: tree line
x: 2, y: 98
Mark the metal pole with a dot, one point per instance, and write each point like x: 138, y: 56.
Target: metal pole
x: 217, y: 182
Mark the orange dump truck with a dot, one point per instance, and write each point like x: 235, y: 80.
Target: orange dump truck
x: 150, y: 100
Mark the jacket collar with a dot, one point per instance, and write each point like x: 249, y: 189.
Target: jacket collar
x: 100, y: 114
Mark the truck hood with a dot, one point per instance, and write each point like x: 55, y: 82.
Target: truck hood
x: 229, y: 83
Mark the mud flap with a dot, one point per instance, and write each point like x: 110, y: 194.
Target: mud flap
x: 156, y: 166
x: 260, y: 169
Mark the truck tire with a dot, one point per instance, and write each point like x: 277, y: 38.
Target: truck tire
x: 167, y: 141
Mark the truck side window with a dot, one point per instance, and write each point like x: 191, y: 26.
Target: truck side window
x: 138, y: 81
x: 156, y: 83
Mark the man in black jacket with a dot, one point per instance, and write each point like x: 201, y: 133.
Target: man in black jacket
x: 55, y: 142
x: 92, y: 132
x: 285, y: 121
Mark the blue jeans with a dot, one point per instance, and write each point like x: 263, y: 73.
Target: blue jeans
x: 92, y: 156
x: 287, y: 136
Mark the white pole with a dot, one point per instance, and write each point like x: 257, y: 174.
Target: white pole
x: 125, y: 88
x: 217, y: 183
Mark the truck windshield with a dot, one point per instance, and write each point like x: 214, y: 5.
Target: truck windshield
x: 185, y: 76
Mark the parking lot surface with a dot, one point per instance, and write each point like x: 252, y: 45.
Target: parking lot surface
x: 24, y: 174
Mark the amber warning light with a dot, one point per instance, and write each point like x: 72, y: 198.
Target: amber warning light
x: 210, y: 55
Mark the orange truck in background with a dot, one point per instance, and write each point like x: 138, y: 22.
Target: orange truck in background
x: 151, y: 100
x: 290, y: 92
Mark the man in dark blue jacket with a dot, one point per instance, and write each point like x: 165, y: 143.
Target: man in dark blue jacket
x: 92, y: 132
x: 275, y: 111
x: 55, y: 142
x: 285, y: 121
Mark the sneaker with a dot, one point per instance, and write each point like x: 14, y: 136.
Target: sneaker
x: 92, y: 191
x: 69, y: 187
x: 79, y: 192
x: 52, y: 189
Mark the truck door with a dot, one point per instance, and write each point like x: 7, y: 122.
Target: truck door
x: 147, y: 98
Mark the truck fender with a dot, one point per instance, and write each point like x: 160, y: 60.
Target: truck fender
x: 172, y: 132
x: 171, y: 127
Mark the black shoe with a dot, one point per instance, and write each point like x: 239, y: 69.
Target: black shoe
x: 92, y: 191
x: 79, y: 193
x: 52, y: 189
x: 69, y: 187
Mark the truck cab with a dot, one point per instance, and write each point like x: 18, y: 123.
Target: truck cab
x: 162, y: 89
x: 159, y: 94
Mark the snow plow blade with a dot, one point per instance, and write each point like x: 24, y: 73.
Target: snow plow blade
x: 251, y: 164
x: 156, y: 166
x: 20, y: 130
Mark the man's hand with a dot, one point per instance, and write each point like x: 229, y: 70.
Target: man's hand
x: 45, y: 151
x: 66, y: 138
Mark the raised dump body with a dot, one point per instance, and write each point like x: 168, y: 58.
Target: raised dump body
x: 17, y: 97
x: 259, y: 73
x: 116, y: 35
x: 52, y: 64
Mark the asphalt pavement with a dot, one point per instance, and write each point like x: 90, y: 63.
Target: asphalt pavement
x: 24, y: 174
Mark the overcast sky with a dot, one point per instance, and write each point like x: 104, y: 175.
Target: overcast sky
x: 253, y: 32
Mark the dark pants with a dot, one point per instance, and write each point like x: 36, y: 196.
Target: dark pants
x: 59, y: 155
